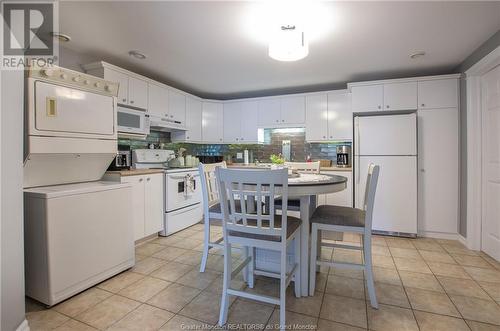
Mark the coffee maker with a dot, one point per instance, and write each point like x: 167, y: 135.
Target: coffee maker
x: 344, y: 156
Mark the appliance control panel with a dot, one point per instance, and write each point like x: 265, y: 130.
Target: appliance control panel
x: 74, y: 79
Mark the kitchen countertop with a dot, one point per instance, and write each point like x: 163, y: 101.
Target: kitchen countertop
x: 135, y: 172
x: 253, y: 166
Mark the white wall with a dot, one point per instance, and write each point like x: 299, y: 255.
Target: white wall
x: 11, y: 200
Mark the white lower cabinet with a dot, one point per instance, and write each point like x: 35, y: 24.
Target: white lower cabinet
x: 342, y: 198
x: 147, y: 202
x: 438, y: 177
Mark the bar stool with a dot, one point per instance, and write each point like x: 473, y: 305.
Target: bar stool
x: 257, y: 230
x: 346, y: 219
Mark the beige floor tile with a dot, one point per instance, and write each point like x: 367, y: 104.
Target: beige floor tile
x: 295, y: 320
x: 45, y: 319
x: 478, y: 326
x: 215, y: 287
x: 399, y: 242
x: 148, y: 249
x: 198, y: 235
x: 139, y: 257
x: 321, y: 280
x: 344, y: 310
x: 459, y: 250
x: 148, y: 265
x: 429, y: 246
x: 144, y: 318
x: 216, y: 262
x: 306, y: 305
x: 198, y: 227
x: 172, y: 271
x: 433, y: 322
x: 390, y: 295
x: 347, y: 255
x: 197, y: 279
x: 82, y: 302
x: 120, y: 281
x: 411, y: 253
x: 472, y: 261
x: 326, y: 325
x: 351, y: 273
x: 190, y: 257
x: 174, y: 297
x: 170, y: 253
x: 450, y: 242
x: 380, y: 250
x: 448, y: 270
x: 187, y: 244
x: 72, y: 325
x: 432, y: 302
x: 144, y: 289
x: 266, y: 287
x: 493, y: 290
x: 179, y: 322
x: 391, y: 318
x: 205, y: 307
x: 421, y: 281
x: 477, y: 309
x: 465, y: 287
x: 432, y: 256
x: 405, y: 264
x: 387, y: 276
x: 484, y: 275
x: 245, y: 313
x: 166, y: 241
x: 383, y: 261
x: 186, y: 233
x: 379, y: 241
x: 343, y: 286
x: 108, y: 312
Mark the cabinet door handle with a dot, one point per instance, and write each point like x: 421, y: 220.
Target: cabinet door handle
x: 241, y: 138
x: 124, y: 100
x: 141, y: 179
x: 423, y: 105
x: 148, y: 179
x: 187, y: 137
x: 379, y: 107
x: 387, y: 106
x: 131, y: 101
x: 277, y: 121
x: 236, y: 139
x: 282, y: 120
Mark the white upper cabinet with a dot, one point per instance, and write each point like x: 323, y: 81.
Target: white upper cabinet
x: 367, y: 98
x: 400, y: 96
x: 293, y: 110
x: 193, y: 119
x: 339, y: 116
x: 212, y: 122
x: 269, y: 112
x: 138, y: 92
x: 440, y: 93
x: 157, y: 100
x: 316, y: 117
x: 232, y: 122
x: 177, y: 106
x: 249, y: 121
x: 120, y: 78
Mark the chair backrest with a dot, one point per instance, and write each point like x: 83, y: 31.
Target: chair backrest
x: 371, y: 188
x: 245, y: 185
x: 208, y: 180
x: 311, y: 167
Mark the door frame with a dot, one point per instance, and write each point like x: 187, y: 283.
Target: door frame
x: 475, y: 146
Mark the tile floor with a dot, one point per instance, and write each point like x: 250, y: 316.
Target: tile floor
x: 422, y: 284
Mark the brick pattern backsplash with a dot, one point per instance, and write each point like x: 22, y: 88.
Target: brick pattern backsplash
x: 273, y: 139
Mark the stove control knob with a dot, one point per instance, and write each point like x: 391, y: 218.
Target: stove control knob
x: 97, y: 84
x: 86, y: 82
x: 47, y: 72
x: 76, y: 79
x: 63, y: 76
x: 109, y: 88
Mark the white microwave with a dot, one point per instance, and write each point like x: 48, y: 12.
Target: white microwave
x: 131, y: 121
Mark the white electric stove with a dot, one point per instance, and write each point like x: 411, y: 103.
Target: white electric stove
x: 182, y: 189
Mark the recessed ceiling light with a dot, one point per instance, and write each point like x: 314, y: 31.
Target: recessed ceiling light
x: 417, y: 55
x: 61, y: 36
x: 137, y: 55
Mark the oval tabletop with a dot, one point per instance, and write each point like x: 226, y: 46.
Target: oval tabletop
x: 312, y: 184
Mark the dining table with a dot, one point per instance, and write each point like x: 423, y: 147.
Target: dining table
x: 306, y: 187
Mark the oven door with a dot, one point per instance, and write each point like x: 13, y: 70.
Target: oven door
x: 132, y: 121
x: 183, y: 189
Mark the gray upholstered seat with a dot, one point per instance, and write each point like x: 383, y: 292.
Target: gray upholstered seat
x: 292, y: 202
x: 292, y: 225
x: 338, y: 215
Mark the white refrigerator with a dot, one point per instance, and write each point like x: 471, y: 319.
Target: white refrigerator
x: 389, y: 141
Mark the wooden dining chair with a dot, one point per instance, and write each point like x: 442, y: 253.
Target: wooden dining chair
x: 257, y: 229
x: 346, y: 219
x: 302, y: 167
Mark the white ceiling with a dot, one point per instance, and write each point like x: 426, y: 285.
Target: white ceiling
x: 207, y: 48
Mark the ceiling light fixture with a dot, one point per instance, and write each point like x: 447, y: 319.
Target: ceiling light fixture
x: 137, y: 55
x: 417, y: 55
x: 288, y: 43
x: 61, y: 36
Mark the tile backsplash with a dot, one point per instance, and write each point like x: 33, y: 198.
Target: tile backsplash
x: 273, y: 144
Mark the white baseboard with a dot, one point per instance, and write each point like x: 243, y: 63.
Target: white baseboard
x: 463, y: 240
x: 23, y: 326
x: 439, y: 235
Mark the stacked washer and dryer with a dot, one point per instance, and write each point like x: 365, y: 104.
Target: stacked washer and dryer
x: 78, y: 229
